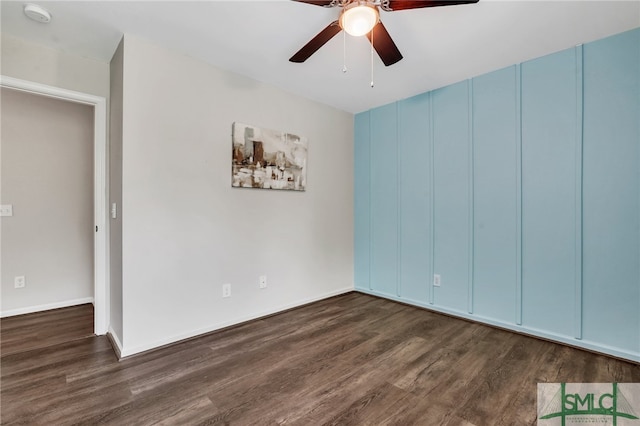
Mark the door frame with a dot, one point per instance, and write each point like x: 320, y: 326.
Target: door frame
x: 100, y: 242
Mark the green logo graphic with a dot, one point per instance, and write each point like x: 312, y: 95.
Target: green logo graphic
x: 593, y: 402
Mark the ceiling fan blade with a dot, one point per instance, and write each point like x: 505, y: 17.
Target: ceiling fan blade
x: 317, y: 42
x: 384, y: 45
x: 417, y: 4
x: 323, y: 3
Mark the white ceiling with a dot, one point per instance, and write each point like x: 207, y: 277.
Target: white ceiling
x: 256, y: 38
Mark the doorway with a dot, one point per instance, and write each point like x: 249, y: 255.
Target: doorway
x: 99, y: 193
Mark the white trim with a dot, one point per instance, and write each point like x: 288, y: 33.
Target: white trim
x: 182, y: 336
x: 46, y: 307
x: 99, y: 104
x: 116, y: 341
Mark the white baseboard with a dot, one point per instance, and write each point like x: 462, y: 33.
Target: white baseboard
x: 115, y: 339
x: 46, y: 307
x: 177, y: 338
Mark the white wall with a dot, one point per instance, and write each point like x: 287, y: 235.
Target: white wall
x: 32, y: 62
x: 186, y: 231
x: 29, y: 61
x: 115, y: 195
x: 47, y: 175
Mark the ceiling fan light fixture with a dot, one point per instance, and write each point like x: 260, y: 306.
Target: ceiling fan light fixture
x: 359, y: 18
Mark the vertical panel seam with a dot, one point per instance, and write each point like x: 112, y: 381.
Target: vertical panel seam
x: 432, y: 188
x: 518, y: 134
x: 355, y: 202
x: 399, y: 203
x: 637, y: 52
x: 471, y: 194
x: 578, y: 188
x: 370, y: 204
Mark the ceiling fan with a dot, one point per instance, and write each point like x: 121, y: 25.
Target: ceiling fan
x: 362, y: 17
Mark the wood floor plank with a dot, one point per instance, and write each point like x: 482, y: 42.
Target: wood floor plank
x: 42, y: 329
x: 368, y: 408
x: 501, y: 383
x: 348, y: 360
x: 337, y: 382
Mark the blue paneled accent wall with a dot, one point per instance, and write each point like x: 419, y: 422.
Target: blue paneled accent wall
x: 611, y: 172
x: 548, y: 192
x: 414, y: 192
x: 451, y: 194
x: 383, y: 239
x: 521, y: 189
x: 495, y: 161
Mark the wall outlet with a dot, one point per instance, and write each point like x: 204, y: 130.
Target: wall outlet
x: 263, y: 281
x: 6, y: 210
x: 436, y: 280
x: 19, y: 282
x: 226, y: 290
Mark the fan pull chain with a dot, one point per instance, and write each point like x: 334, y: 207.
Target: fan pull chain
x: 372, y: 57
x: 344, y: 51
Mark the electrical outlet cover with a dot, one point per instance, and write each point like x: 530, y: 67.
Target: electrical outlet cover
x: 19, y: 282
x: 6, y: 210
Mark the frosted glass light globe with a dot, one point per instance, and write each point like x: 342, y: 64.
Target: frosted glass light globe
x: 359, y: 19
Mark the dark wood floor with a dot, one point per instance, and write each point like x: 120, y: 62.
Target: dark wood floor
x: 39, y: 330
x: 353, y: 359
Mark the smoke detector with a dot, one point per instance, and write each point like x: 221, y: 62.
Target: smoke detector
x: 37, y: 13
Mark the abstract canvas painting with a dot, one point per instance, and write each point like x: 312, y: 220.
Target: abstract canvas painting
x: 268, y: 159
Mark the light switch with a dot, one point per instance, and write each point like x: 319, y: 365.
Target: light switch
x: 6, y: 210
x: 114, y: 210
